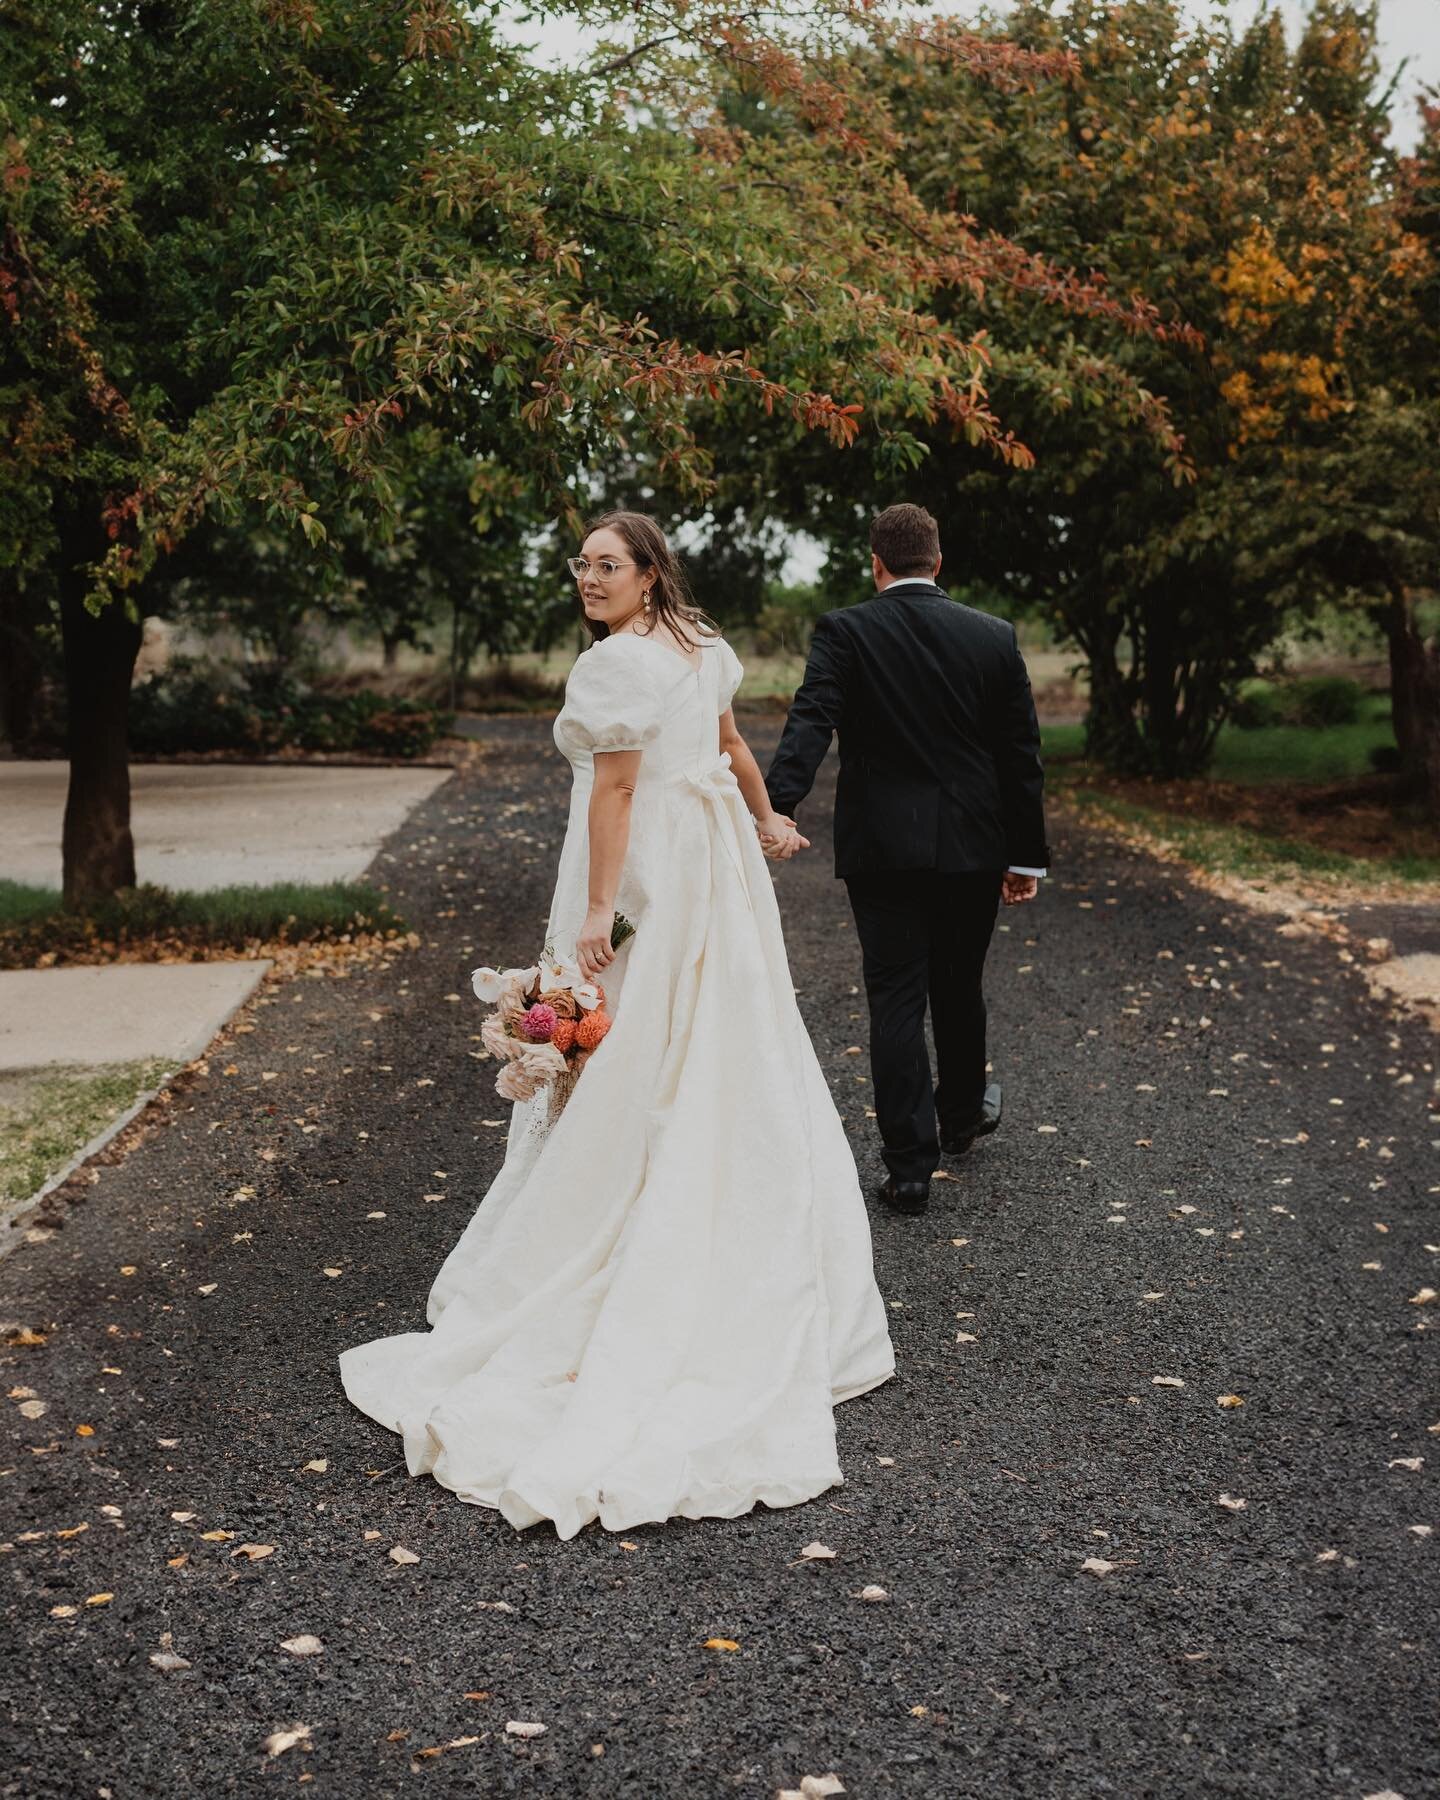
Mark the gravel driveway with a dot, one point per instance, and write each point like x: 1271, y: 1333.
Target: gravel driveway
x: 1216, y: 1177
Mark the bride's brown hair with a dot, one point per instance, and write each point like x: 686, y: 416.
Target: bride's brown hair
x: 670, y: 596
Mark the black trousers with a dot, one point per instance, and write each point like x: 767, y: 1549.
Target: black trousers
x: 924, y: 934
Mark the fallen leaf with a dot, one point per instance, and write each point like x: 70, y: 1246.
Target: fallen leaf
x: 400, y: 1554
x: 63, y: 1612
x: 332, y: 1273
x: 168, y: 1661
x: 305, y: 1645
x: 812, y: 1787
x: 816, y: 1552
x: 1166, y: 1381
x: 966, y: 1337
x: 182, y: 1518
x: 256, y: 1552
x: 217, y: 1537
x: 34, y: 1409
x: 625, y: 1544
x: 319, y: 1465
x: 287, y: 1738
x: 1229, y: 1401
x: 105, y: 1599
x: 485, y: 1605
x: 886, y: 1462
x: 1097, y: 1565
x: 525, y: 1728
x: 1231, y: 1504
x: 1425, y: 1297
x: 1422, y: 1530
x: 209, y: 1287
x: 719, y: 1644
x: 875, y: 1595
x: 1412, y: 1463
x: 84, y: 1431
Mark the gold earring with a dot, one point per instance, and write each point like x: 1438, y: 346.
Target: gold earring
x: 645, y: 599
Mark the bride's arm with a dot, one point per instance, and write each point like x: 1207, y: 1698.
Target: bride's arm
x: 746, y: 770
x: 616, y: 772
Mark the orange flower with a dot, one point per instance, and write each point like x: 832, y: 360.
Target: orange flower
x: 591, y: 1028
x: 563, y: 1035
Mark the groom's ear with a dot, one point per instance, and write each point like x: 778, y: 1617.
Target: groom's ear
x: 935, y: 573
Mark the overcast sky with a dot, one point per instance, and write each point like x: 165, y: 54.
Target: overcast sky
x: 1409, y: 29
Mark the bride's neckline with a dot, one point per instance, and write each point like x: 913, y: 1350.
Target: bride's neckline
x: 658, y: 644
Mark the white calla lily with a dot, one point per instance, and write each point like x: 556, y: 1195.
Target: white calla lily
x: 490, y: 984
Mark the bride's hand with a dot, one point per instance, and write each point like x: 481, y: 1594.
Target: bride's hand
x: 593, y: 950
x: 779, y: 838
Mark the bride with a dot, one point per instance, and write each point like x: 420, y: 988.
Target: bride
x: 668, y: 1286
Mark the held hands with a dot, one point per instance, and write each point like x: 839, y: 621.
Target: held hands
x: 778, y: 837
x: 593, y: 950
x: 1015, y: 890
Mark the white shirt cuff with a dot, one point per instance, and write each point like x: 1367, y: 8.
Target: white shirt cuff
x: 1041, y: 873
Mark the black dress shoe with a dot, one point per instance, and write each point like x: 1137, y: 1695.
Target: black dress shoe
x: 956, y: 1140
x: 904, y: 1196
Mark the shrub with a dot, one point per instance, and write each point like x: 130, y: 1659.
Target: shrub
x: 1314, y: 700
x: 1256, y: 706
x: 1326, y: 700
x: 194, y: 706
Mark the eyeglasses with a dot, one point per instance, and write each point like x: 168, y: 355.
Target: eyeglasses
x: 579, y: 567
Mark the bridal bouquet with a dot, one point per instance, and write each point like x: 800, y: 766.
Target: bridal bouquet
x: 547, y: 1023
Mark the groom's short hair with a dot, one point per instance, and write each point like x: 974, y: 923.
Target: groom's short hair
x: 906, y: 539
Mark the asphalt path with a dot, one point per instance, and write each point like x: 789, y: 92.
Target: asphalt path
x: 1216, y: 1177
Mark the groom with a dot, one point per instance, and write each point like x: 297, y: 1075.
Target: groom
x: 939, y: 815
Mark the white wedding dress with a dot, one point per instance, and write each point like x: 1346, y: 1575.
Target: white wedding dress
x: 666, y: 1289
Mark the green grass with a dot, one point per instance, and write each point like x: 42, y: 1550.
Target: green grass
x: 1275, y: 753
x: 1254, y: 855
x: 33, y: 920
x: 56, y: 1113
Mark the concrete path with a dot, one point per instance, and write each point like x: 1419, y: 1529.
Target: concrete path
x: 118, y: 1014
x: 211, y: 825
x: 1172, y: 1317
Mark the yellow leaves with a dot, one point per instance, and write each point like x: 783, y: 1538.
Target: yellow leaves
x: 1229, y: 1401
x: 84, y: 1431
x: 99, y: 1599
x: 719, y: 1643
x: 255, y: 1552
x: 217, y: 1537
x: 72, y: 1531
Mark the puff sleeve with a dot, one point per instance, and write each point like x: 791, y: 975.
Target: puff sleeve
x: 732, y: 672
x: 612, y: 699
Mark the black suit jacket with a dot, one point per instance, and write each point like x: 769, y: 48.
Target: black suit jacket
x: 939, y: 747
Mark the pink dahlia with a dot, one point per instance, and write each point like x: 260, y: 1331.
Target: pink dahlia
x: 539, y: 1022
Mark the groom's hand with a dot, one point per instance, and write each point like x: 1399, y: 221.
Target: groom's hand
x: 1015, y: 890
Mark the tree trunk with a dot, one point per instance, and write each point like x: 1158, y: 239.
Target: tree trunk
x: 100, y: 652
x: 20, y: 666
x: 1407, y: 659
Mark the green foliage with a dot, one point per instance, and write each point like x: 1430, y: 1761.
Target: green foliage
x: 787, y: 619
x: 34, y: 921
x: 191, y: 705
x: 1313, y: 700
